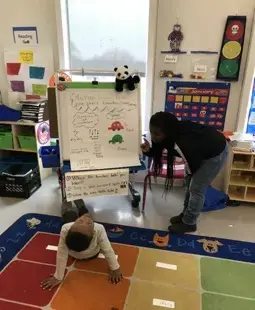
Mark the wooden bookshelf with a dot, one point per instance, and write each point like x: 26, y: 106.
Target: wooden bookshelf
x: 240, y: 176
x: 16, y: 129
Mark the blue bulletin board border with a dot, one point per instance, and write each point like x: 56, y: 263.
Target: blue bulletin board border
x: 202, y: 102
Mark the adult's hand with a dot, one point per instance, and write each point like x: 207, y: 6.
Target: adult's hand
x: 145, y: 147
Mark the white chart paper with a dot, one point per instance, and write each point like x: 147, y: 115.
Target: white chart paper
x: 103, y: 128
x: 96, y: 183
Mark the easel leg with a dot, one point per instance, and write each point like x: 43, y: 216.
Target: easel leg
x: 136, y: 198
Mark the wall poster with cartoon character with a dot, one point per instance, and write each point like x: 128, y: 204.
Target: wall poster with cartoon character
x: 202, y: 102
x: 43, y: 133
x: 100, y: 127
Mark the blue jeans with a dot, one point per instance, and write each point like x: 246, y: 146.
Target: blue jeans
x: 197, y: 184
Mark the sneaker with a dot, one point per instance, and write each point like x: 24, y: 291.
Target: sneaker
x: 69, y: 212
x: 176, y: 219
x: 182, y: 228
x: 79, y: 203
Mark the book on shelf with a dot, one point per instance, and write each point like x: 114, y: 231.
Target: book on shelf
x: 35, y: 110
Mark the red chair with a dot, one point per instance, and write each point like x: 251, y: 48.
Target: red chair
x: 179, y: 173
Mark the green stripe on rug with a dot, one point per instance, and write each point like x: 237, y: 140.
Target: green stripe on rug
x: 220, y: 302
x: 228, y: 277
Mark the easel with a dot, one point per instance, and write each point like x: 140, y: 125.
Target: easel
x: 65, y: 164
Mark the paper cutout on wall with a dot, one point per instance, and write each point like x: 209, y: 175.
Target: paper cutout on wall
x: 36, y: 72
x: 26, y: 57
x: 39, y: 89
x: 18, y: 86
x: 13, y: 68
x: 28, y: 97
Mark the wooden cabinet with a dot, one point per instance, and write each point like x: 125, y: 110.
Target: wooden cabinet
x: 240, y: 176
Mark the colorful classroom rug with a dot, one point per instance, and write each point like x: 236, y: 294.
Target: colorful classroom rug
x: 161, y: 271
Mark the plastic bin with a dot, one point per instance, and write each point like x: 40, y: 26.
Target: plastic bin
x: 50, y: 156
x: 6, y: 140
x: 27, y: 142
x: 19, y: 181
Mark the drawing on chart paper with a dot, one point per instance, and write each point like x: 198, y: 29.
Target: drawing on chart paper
x: 116, y: 139
x: 102, y: 125
x: 116, y: 126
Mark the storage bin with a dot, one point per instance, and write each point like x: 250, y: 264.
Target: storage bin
x: 19, y: 181
x: 50, y: 156
x: 6, y: 140
x: 27, y: 142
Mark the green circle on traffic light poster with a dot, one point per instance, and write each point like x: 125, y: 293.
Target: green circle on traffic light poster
x: 228, y: 68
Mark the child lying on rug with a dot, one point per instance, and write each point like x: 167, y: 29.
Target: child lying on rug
x: 83, y: 239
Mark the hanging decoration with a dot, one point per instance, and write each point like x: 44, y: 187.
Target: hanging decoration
x: 170, y: 74
x: 231, y: 49
x: 198, y: 76
x: 176, y: 38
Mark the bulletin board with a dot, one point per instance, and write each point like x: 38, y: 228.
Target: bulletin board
x: 205, y: 103
x: 251, y: 116
x: 99, y: 128
x: 28, y: 70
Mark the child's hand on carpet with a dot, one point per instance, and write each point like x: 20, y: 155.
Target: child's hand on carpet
x: 50, y: 283
x: 115, y: 276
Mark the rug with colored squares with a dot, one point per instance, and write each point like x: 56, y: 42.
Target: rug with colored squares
x: 161, y: 271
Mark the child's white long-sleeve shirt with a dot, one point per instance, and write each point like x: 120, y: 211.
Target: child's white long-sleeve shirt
x: 99, y: 243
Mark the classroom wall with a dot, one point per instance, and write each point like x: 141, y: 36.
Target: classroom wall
x: 39, y: 13
x: 202, y: 33
x: 203, y: 24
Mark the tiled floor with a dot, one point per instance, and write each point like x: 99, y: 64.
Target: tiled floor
x: 234, y: 222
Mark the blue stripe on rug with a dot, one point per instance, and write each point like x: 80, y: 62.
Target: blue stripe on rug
x: 19, y: 233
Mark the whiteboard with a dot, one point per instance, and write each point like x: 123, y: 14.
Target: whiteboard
x: 99, y: 128
x: 29, y: 75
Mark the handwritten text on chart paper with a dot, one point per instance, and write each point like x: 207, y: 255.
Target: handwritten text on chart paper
x: 103, y: 128
x: 101, y: 183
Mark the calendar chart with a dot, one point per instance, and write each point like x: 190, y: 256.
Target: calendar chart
x: 205, y: 103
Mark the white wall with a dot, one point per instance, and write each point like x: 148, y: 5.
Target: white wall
x: 39, y: 13
x: 202, y: 21
x: 203, y: 25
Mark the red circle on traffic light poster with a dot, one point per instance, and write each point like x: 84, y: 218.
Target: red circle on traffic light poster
x: 235, y: 30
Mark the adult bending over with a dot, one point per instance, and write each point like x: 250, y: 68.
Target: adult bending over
x: 204, y: 151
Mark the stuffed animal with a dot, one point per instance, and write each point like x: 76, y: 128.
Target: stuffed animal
x: 123, y: 77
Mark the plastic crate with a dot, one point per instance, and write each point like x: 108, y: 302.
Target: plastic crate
x: 19, y: 181
x: 19, y: 173
x: 50, y: 156
x: 27, y: 142
x: 6, y: 140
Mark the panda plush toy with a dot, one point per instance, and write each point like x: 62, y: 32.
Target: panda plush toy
x: 124, y: 78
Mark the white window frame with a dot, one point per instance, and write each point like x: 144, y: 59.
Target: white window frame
x: 64, y: 50
x: 247, y: 83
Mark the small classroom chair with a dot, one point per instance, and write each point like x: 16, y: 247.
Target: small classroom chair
x: 179, y: 173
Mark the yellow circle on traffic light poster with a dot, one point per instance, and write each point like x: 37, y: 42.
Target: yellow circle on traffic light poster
x: 231, y: 50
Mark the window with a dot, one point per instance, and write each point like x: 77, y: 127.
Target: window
x: 250, y: 125
x: 103, y: 34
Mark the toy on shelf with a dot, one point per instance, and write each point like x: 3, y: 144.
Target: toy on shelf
x: 176, y: 38
x: 197, y: 76
x: 170, y: 74
x: 125, y: 78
